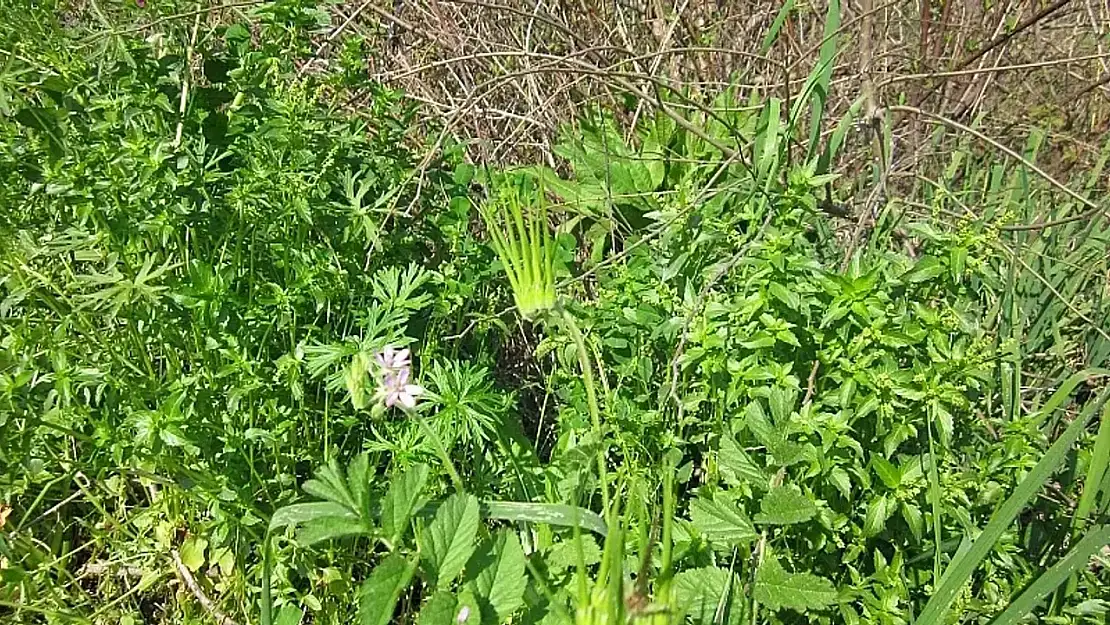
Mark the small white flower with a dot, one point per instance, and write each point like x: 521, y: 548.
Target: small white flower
x: 396, y: 389
x: 393, y: 359
x: 464, y: 614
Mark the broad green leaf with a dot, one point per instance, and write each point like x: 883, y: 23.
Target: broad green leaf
x: 358, y: 483
x: 841, y: 480
x: 449, y: 538
x: 721, y: 522
x: 330, y: 484
x: 740, y: 465
x: 379, y: 593
x: 776, y: 588
x: 878, y: 511
x: 784, y: 505
x: 301, y: 512
x: 503, y: 581
x: 550, y: 513
x: 887, y: 472
x: 289, y: 615
x: 699, y: 592
x: 914, y: 519
x: 439, y: 610
x: 400, y: 501
x: 469, y: 608
x: 192, y: 552
x: 329, y: 528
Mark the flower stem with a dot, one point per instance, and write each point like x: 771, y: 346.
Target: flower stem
x: 591, y: 400
x: 441, y: 451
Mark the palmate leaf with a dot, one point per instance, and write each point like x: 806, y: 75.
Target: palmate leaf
x: 784, y: 505
x: 448, y: 540
x: 379, y: 593
x: 346, y: 510
x: 776, y: 588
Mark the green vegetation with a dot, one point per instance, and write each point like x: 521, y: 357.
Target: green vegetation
x: 266, y: 357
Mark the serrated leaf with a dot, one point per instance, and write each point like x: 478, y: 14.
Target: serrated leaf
x: 843, y: 483
x: 330, y: 484
x: 358, y: 483
x: 878, y: 511
x: 379, y: 593
x: 699, y: 591
x: 887, y: 472
x: 721, y: 523
x: 914, y: 519
x: 776, y: 588
x: 784, y: 505
x: 469, y: 609
x: 439, y: 610
x: 502, y: 582
x: 449, y: 539
x: 740, y: 465
x: 400, y: 501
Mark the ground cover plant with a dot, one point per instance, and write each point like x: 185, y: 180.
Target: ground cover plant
x: 279, y: 346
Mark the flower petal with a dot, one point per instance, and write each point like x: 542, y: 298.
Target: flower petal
x: 414, y: 389
x: 401, y: 358
x: 408, y: 401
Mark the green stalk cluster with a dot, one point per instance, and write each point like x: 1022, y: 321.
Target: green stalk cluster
x: 516, y: 218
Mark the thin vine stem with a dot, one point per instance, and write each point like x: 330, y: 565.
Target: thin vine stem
x: 571, y: 325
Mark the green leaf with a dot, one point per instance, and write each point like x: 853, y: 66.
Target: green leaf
x: 843, y: 483
x: 722, y: 523
x: 1078, y: 557
x: 379, y: 593
x: 289, y: 615
x: 887, y: 472
x: 776, y: 26
x: 699, y: 591
x: 550, y: 513
x: 776, y: 588
x: 301, y: 512
x: 439, y: 610
x: 962, y: 567
x: 502, y: 583
x: 914, y: 519
x: 400, y: 501
x: 740, y: 465
x: 784, y: 505
x: 358, y: 483
x: 329, y: 528
x: 450, y: 538
x: 192, y: 552
x: 878, y: 511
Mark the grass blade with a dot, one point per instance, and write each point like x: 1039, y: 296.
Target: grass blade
x: 1054, y: 576
x: 961, y: 569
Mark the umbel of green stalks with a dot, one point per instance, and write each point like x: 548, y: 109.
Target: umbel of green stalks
x: 515, y: 215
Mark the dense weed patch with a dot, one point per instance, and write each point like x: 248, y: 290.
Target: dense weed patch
x: 264, y: 360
